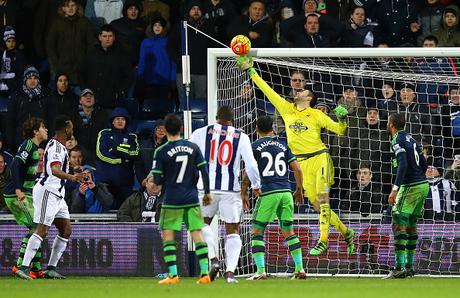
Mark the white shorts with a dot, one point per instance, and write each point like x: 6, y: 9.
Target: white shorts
x: 48, y: 206
x: 228, y: 205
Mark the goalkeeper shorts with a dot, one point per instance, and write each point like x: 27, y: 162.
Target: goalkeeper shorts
x: 409, y: 203
x: 279, y: 204
x: 23, y: 211
x: 318, y: 175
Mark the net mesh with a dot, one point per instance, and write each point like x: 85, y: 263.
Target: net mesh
x: 425, y: 89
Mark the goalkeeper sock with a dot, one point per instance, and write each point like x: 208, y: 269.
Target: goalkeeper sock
x: 22, y: 250
x: 201, y: 249
x: 324, y: 221
x: 411, y: 246
x: 232, y: 251
x: 400, y: 250
x: 208, y: 236
x: 338, y: 224
x: 296, y: 252
x: 258, y: 252
x: 169, y: 249
x: 37, y: 260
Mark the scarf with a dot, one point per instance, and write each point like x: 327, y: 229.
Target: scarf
x: 32, y: 92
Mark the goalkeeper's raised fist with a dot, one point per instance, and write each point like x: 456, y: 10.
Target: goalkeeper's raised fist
x: 244, y: 62
x: 341, y: 112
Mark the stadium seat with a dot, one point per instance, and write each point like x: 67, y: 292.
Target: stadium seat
x: 156, y: 108
x: 4, y: 104
x: 132, y: 105
x: 197, y: 105
x: 144, y: 128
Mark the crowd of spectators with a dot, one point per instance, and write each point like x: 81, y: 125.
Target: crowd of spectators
x: 86, y: 58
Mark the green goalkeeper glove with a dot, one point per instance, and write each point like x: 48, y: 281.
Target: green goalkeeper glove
x: 341, y: 112
x: 245, y: 63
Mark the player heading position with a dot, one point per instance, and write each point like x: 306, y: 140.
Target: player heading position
x: 274, y: 156
x: 408, y: 195
x: 175, y: 166
x: 303, y: 129
x: 48, y: 200
x: 224, y: 146
x: 18, y: 190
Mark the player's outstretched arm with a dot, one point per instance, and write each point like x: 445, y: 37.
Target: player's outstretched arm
x: 246, y: 64
x: 298, y: 194
x: 77, y: 177
x: 340, y: 127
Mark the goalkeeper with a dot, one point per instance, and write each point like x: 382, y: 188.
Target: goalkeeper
x: 303, y: 129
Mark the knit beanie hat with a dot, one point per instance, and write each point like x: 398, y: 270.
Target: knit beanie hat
x: 30, y: 72
x: 9, y: 33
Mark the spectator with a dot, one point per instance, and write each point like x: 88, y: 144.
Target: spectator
x: 90, y: 120
x: 69, y: 41
x: 197, y: 47
x: 75, y: 166
x: 63, y: 101
x: 340, y: 10
x: 441, y: 203
x: 386, y: 99
x: 29, y: 101
x: 107, y: 71
x: 398, y: 20
x: 6, y: 155
x: 254, y: 25
x: 41, y: 153
x: 101, y: 12
x: 330, y: 27
x: 144, y: 163
x: 366, y: 197
x: 310, y: 37
x: 153, y: 8
x: 374, y: 146
x: 8, y: 14
x: 116, y: 150
x: 429, y: 19
x: 451, y: 123
x: 157, y: 70
x: 130, y: 29
x: 13, y: 64
x: 140, y: 206
x: 220, y: 13
x: 4, y: 177
x: 415, y: 114
x: 91, y: 196
x: 453, y: 172
x: 449, y: 33
x: 285, y: 12
x: 359, y: 31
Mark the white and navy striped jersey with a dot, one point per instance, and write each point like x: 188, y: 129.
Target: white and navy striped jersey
x: 55, y: 153
x: 223, y: 147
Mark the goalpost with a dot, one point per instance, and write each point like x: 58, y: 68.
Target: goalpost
x: 357, y: 77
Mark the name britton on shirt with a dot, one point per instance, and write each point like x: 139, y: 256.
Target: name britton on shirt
x: 271, y: 143
x: 179, y: 149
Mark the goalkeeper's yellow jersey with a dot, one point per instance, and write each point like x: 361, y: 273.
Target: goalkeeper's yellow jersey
x: 303, y: 128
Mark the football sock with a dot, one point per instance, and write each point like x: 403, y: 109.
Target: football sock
x: 22, y: 250
x: 410, y: 249
x: 201, y: 249
x: 296, y: 252
x: 37, y: 260
x: 169, y: 248
x: 59, y: 246
x: 400, y: 250
x: 324, y: 222
x: 338, y: 224
x: 33, y: 245
x: 232, y: 251
x: 208, y: 236
x: 258, y: 252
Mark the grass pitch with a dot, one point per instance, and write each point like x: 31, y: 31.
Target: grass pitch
x: 276, y: 287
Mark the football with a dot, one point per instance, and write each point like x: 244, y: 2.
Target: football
x: 240, y: 45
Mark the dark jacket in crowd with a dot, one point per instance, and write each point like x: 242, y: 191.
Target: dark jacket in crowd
x: 16, y: 66
x: 69, y: 41
x: 66, y: 104
x: 430, y: 20
x: 366, y: 200
x: 449, y: 37
x: 305, y: 40
x: 243, y: 25
x: 442, y: 201
x: 109, y: 74
x: 130, y: 33
x: 8, y: 14
x: 132, y: 208
x: 220, y: 16
x: 417, y: 120
x: 366, y: 35
x: 45, y: 16
x: 451, y: 130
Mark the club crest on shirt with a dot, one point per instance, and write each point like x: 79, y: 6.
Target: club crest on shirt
x: 298, y: 127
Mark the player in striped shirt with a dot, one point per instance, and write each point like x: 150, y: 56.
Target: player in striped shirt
x: 18, y: 190
x: 48, y: 200
x: 223, y: 147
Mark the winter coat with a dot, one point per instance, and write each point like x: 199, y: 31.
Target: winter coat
x: 14, y: 62
x: 432, y: 93
x: 365, y: 35
x: 45, y: 16
x: 243, y: 25
x: 8, y: 14
x: 430, y: 20
x: 305, y: 40
x: 101, y: 12
x: 448, y: 37
x: 155, y: 64
x: 68, y: 43
x: 365, y: 201
x: 220, y: 16
x: 109, y: 74
x: 132, y: 208
x: 66, y: 104
x: 417, y: 120
x: 116, y: 151
x: 96, y: 200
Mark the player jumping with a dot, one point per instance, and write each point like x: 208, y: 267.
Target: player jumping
x: 303, y: 129
x: 273, y: 157
x: 175, y: 166
x: 408, y: 195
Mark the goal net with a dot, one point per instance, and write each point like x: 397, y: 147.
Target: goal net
x: 372, y: 83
